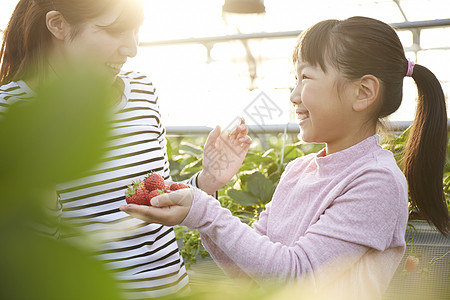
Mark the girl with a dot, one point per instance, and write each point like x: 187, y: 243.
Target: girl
x: 344, y: 209
x: 47, y: 38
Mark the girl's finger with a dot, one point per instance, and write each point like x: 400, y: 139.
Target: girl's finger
x: 212, y: 137
x: 180, y: 197
x: 245, y: 140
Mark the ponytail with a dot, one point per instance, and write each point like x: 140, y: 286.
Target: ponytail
x: 425, y: 153
x: 25, y: 39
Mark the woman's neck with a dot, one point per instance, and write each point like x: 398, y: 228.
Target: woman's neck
x: 32, y: 82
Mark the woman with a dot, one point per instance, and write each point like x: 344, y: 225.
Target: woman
x: 47, y: 38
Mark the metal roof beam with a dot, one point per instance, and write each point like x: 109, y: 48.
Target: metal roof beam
x: 282, y: 34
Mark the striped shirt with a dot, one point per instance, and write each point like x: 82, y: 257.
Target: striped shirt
x: 144, y: 257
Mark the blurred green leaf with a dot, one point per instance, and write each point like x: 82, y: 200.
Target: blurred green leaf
x: 292, y: 152
x: 169, y: 149
x: 57, y: 135
x: 37, y: 267
x: 247, y: 166
x: 261, y: 187
x: 186, y: 148
x: 193, y: 167
x: 242, y: 197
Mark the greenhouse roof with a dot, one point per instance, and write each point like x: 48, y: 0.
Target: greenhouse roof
x: 230, y: 57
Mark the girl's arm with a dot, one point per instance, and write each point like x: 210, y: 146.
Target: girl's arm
x: 366, y: 216
x: 222, y: 259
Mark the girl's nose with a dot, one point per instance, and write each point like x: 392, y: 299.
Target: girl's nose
x: 295, y: 97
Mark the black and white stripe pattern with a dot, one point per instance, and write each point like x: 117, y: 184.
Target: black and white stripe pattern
x: 144, y: 257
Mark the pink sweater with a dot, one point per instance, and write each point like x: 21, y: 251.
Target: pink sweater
x: 346, y: 212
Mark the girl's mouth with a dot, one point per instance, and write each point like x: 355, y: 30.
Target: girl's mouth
x: 302, y: 116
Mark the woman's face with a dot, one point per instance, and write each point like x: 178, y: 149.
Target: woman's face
x: 105, y: 42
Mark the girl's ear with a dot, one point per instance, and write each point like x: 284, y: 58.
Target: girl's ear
x: 367, y: 93
x: 57, y: 25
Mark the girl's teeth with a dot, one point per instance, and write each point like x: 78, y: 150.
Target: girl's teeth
x: 303, y: 117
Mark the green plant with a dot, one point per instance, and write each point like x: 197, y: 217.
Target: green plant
x: 192, y: 247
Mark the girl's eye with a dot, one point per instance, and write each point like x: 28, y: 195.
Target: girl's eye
x: 305, y: 77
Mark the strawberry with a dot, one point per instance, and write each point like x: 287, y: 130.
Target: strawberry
x: 154, y: 181
x: 411, y: 263
x: 167, y: 189
x: 153, y: 194
x: 137, y: 194
x: 177, y: 186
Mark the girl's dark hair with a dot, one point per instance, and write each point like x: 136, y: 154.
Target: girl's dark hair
x: 360, y: 46
x: 26, y: 39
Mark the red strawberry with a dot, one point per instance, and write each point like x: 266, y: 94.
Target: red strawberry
x: 137, y: 194
x: 411, y: 263
x: 177, y: 186
x: 154, y: 181
x: 167, y: 189
x: 153, y: 194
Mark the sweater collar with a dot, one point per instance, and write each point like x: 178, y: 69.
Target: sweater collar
x: 344, y: 157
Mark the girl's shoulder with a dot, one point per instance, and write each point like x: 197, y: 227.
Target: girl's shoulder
x: 379, y: 168
x: 299, y: 161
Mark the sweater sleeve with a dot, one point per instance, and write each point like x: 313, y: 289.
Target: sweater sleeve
x: 260, y: 226
x: 220, y: 257
x: 363, y: 217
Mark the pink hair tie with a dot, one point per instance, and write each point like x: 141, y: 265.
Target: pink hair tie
x: 410, y: 70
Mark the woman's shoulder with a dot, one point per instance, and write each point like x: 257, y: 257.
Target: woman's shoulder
x: 10, y: 89
x: 135, y: 77
x: 138, y: 85
x: 12, y: 92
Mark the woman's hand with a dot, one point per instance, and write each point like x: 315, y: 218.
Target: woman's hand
x: 167, y: 209
x: 223, y: 156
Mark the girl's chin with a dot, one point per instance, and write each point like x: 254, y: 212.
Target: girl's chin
x: 307, y: 138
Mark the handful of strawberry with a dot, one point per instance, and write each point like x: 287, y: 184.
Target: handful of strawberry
x: 142, y: 192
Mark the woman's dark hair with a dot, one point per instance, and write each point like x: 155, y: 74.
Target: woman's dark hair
x: 26, y: 39
x: 360, y: 46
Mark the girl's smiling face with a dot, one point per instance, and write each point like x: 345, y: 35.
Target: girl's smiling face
x: 321, y: 103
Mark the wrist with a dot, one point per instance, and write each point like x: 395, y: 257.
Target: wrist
x: 207, y: 183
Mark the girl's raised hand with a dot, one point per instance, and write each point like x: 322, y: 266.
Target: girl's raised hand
x: 223, y: 156
x: 167, y: 209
